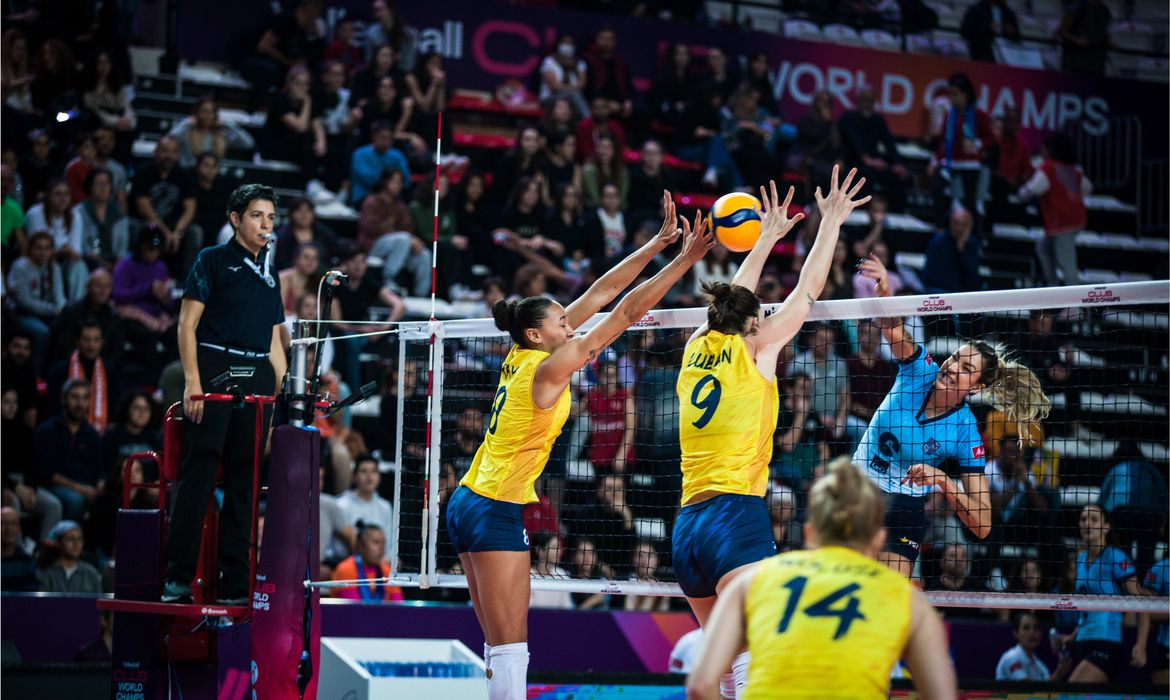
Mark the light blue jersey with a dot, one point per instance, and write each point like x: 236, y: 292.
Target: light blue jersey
x: 1158, y: 581
x: 1105, y: 575
x: 898, y: 436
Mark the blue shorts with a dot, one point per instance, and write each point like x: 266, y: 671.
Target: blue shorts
x: 479, y: 524
x: 717, y: 536
x: 905, y: 524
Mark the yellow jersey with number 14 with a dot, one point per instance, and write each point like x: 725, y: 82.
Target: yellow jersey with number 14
x: 519, y: 435
x: 727, y: 417
x: 824, y: 623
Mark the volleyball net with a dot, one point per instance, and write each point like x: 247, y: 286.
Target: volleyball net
x: 611, y: 490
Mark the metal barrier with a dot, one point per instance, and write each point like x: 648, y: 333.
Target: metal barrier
x: 1110, y: 158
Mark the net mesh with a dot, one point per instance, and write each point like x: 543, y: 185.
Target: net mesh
x: 610, y: 493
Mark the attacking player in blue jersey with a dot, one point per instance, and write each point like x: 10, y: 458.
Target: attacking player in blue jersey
x: 925, y: 420
x: 1104, y: 570
x: 1157, y: 581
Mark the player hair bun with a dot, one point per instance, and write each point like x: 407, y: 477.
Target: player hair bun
x: 717, y: 291
x: 504, y: 312
x: 844, y: 506
x: 730, y: 307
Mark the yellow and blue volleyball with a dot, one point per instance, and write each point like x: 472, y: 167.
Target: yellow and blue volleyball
x: 735, y: 218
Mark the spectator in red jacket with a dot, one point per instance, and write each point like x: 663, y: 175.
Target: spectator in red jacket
x: 599, y: 123
x: 1010, y: 158
x: 1014, y: 162
x: 608, y: 75
x: 1060, y: 189
x: 342, y: 48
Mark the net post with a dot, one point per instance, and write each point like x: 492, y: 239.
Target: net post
x: 434, y: 466
x: 430, y: 483
x: 396, y: 514
x: 298, y: 384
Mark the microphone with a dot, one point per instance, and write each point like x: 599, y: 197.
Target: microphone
x: 335, y: 277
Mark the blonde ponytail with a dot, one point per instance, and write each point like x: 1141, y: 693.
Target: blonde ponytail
x: 845, y: 508
x: 1013, y: 389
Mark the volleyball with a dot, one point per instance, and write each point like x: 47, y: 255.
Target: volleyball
x: 735, y: 217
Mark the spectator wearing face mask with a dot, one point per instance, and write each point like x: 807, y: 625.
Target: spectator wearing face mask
x: 564, y: 74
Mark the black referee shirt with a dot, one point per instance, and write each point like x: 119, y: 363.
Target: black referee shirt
x: 241, y: 295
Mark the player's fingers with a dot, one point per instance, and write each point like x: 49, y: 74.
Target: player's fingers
x: 775, y: 195
x: 819, y: 196
x: 833, y: 182
x: 700, y: 220
x: 862, y: 202
x: 848, y: 179
x: 764, y: 200
x: 686, y: 225
x: 787, y: 198
x: 856, y: 188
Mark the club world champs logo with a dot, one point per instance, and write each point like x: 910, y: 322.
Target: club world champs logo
x: 934, y: 305
x: 1101, y: 295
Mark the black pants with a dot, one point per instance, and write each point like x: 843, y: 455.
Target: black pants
x: 228, y: 433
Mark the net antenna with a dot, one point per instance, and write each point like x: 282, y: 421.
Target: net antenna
x: 432, y: 330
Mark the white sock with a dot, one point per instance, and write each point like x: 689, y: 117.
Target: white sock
x: 727, y: 686
x: 739, y: 669
x: 509, y: 672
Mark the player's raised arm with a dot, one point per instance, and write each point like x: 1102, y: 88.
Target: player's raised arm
x: 579, y: 351
x: 902, y: 344
x: 835, y: 207
x: 774, y: 225
x: 612, y: 283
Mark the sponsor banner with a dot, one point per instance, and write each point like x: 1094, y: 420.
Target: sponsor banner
x: 486, y: 43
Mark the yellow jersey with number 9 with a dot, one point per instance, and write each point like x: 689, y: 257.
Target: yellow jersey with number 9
x: 727, y: 417
x: 824, y: 623
x: 519, y: 435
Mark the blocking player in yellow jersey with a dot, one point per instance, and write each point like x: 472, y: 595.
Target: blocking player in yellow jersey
x: 728, y: 408
x: 830, y: 621
x: 528, y: 411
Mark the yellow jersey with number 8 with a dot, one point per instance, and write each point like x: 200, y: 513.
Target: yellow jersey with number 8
x: 519, y: 434
x: 727, y: 417
x: 824, y: 623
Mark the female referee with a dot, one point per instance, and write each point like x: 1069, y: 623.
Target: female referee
x: 925, y: 419
x: 828, y: 621
x: 728, y: 408
x: 529, y: 409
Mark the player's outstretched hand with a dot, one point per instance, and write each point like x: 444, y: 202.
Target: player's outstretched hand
x: 776, y: 223
x: 697, y: 240
x: 670, y: 230
x: 925, y: 475
x: 873, y: 268
x: 840, y: 201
